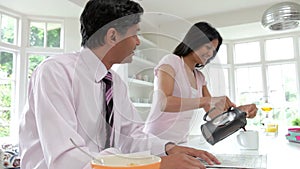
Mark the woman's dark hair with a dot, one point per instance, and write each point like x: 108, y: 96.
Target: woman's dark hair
x: 199, y: 34
x: 100, y: 15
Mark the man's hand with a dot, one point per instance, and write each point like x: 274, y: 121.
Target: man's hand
x: 188, y: 157
x: 180, y: 161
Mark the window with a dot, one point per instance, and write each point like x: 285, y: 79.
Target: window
x: 282, y: 91
x: 44, y: 34
x: 8, y: 30
x: 7, y: 86
x: 33, y: 61
x: 249, y: 88
x: 217, y: 81
x: 217, y: 75
x: 247, y: 53
x: 221, y: 55
x: 274, y: 79
x: 279, y: 49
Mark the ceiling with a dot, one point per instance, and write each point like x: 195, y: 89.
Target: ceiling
x: 224, y: 14
x: 182, y: 8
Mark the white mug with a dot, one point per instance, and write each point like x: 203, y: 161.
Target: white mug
x: 248, y: 140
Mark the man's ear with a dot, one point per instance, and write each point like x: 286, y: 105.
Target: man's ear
x: 111, y: 36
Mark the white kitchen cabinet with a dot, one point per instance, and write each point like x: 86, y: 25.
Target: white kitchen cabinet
x: 139, y: 75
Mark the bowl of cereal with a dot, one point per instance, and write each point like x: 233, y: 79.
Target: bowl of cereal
x: 126, y: 161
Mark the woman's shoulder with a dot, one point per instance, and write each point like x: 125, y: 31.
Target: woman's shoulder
x: 171, y: 56
x: 170, y: 59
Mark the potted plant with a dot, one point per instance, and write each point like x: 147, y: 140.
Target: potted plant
x: 296, y: 122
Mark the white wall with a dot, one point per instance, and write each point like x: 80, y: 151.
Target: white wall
x: 72, y: 34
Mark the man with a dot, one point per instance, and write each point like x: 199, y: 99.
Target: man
x: 70, y: 97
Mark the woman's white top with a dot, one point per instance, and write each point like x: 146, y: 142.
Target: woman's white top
x: 174, y: 126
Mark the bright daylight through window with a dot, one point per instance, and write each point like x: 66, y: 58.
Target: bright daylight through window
x: 270, y: 78
x: 42, y: 35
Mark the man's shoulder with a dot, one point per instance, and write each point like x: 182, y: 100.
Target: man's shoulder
x: 64, y: 57
x: 57, y: 63
x: 59, y: 59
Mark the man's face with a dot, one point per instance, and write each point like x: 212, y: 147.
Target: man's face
x: 124, y: 49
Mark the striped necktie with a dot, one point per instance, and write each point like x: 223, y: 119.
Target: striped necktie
x: 109, y: 117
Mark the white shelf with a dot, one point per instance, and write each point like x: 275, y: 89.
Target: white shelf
x: 139, y: 73
x: 146, y: 105
x: 140, y: 82
x: 145, y: 43
x: 139, y: 60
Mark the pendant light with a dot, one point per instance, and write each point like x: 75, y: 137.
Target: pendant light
x: 282, y: 16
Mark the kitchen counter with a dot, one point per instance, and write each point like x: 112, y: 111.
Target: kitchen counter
x: 281, y: 154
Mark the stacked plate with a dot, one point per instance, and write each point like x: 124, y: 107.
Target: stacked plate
x: 293, y: 135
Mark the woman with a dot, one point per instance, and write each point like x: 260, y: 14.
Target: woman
x: 180, y: 86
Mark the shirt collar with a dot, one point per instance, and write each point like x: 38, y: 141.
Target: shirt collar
x: 94, y: 64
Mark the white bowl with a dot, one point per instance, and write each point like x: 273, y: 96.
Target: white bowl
x: 126, y: 161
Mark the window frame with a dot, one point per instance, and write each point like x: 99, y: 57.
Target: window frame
x: 46, y: 21
x: 14, y: 95
x: 17, y: 30
x: 22, y: 50
x: 14, y: 48
x: 263, y: 63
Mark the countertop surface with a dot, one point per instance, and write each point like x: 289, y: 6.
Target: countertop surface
x: 281, y: 154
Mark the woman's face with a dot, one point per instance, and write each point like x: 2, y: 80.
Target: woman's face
x: 206, y: 51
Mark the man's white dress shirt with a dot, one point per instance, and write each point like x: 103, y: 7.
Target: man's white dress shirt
x: 66, y: 100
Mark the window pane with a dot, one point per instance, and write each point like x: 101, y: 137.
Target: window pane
x: 247, y: 52
x: 4, y: 123
x: 5, y: 94
x: 6, y: 65
x: 8, y: 29
x: 249, y: 90
x: 5, y: 104
x: 222, y: 55
x: 53, y: 35
x: 283, y: 94
x: 217, y: 81
x: 6, y: 91
x: 37, y: 34
x: 34, y: 60
x: 279, y: 49
x: 249, y: 85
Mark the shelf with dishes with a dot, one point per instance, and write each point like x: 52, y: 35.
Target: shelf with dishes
x: 141, y: 101
x: 140, y: 76
x: 141, y: 105
x: 140, y: 58
x: 140, y: 82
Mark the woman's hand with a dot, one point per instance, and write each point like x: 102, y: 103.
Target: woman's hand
x: 222, y: 103
x: 250, y: 109
x: 217, y: 105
